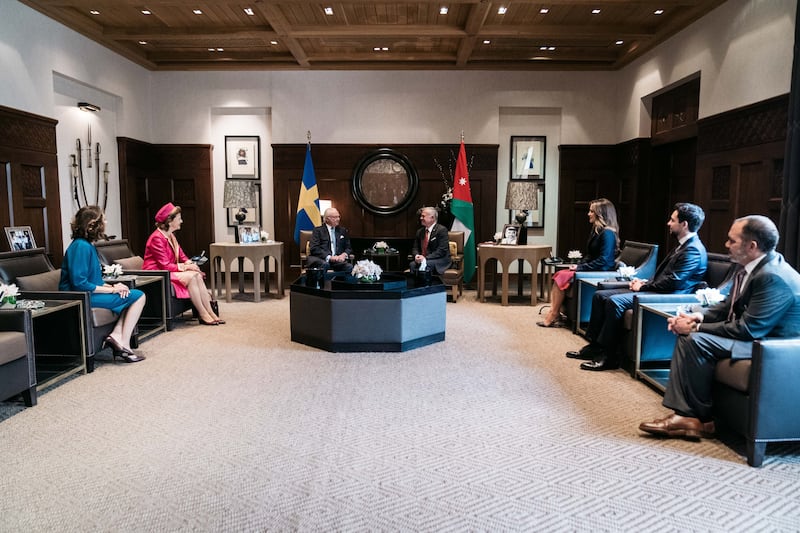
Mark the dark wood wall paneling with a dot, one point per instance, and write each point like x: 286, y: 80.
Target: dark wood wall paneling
x: 731, y: 167
x: 740, y: 166
x: 334, y: 165
x: 152, y: 175
x: 29, y: 163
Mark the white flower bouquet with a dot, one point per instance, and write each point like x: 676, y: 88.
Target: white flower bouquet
x: 574, y: 256
x: 498, y: 236
x: 112, y: 271
x: 8, y: 293
x: 626, y: 272
x: 709, y: 296
x: 264, y: 236
x: 380, y: 247
x: 366, y: 271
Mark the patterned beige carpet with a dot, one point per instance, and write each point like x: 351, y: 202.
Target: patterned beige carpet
x: 235, y: 428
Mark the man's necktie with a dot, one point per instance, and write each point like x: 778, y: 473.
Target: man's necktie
x: 425, y: 243
x: 333, y: 241
x: 738, y: 280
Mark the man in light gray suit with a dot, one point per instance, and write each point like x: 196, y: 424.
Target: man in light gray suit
x: 764, y: 302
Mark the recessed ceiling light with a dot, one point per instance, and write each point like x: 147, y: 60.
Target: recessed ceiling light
x: 220, y: 49
x: 551, y: 48
x: 143, y: 43
x: 487, y: 41
x: 249, y: 11
x: 658, y: 12
x: 376, y: 49
x: 595, y: 11
x: 94, y: 12
x: 273, y: 43
x: 619, y: 43
x: 212, y: 50
x: 329, y: 11
x: 146, y: 12
x: 502, y: 10
x: 542, y: 48
x: 544, y: 11
x: 385, y: 49
x: 443, y: 10
x: 197, y: 11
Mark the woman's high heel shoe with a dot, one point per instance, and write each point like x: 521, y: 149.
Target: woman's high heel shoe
x: 212, y: 323
x: 128, y: 357
x: 115, y: 346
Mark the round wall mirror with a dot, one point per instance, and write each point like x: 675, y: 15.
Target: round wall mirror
x: 385, y: 182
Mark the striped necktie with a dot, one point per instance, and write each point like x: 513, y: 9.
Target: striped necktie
x: 738, y: 280
x: 425, y: 243
x: 333, y: 241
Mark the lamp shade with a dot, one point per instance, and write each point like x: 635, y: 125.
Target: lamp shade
x: 240, y: 193
x: 522, y: 195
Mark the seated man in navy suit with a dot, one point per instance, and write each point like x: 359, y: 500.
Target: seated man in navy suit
x: 330, y: 244
x: 764, y: 302
x: 680, y: 272
x: 431, y: 244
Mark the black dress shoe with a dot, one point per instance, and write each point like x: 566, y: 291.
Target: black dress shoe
x: 587, y: 353
x: 598, y: 365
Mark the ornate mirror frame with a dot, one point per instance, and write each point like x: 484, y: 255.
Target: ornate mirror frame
x: 385, y: 182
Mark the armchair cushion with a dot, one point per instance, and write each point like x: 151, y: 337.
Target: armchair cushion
x: 735, y: 374
x: 130, y: 263
x: 46, y: 281
x: 13, y: 345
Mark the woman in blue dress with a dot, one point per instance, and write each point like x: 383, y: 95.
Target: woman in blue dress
x: 81, y: 271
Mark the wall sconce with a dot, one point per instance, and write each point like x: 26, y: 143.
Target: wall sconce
x: 86, y: 106
x: 522, y: 196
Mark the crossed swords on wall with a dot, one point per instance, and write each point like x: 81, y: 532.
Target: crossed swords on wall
x: 76, y: 170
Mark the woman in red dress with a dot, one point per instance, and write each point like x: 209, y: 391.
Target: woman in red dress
x: 162, y: 252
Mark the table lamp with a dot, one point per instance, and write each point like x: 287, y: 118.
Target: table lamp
x: 522, y: 196
x: 241, y: 194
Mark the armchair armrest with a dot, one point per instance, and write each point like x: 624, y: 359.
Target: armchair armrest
x: 13, y: 320
x: 657, y: 298
x: 612, y: 284
x: 774, y: 375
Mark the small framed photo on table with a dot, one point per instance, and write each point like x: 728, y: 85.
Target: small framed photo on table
x: 249, y: 234
x: 20, y: 238
x: 510, y: 234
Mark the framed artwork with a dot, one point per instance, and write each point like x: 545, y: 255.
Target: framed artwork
x: 527, y: 158
x: 242, y: 157
x: 535, y: 216
x: 510, y: 234
x: 253, y: 214
x: 249, y: 234
x: 20, y: 238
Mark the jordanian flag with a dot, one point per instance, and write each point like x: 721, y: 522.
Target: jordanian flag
x: 308, y: 216
x: 461, y: 207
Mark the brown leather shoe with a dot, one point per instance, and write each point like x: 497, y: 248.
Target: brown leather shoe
x: 676, y: 425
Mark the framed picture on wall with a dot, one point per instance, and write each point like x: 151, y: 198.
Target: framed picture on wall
x: 242, y: 155
x: 527, y: 158
x: 20, y: 238
x: 535, y: 216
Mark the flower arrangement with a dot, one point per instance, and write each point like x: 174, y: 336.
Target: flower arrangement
x: 626, y: 272
x: 574, y: 256
x: 264, y: 236
x: 366, y: 271
x: 380, y: 247
x: 709, y: 296
x: 8, y: 294
x: 498, y: 237
x: 112, y: 271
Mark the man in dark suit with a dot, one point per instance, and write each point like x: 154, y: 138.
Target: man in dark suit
x: 764, y: 302
x: 431, y: 244
x: 329, y: 246
x: 680, y: 272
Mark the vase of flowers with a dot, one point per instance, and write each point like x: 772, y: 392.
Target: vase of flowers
x: 625, y: 273
x: 380, y: 247
x: 365, y: 271
x: 574, y: 256
x: 112, y: 271
x: 8, y: 295
x: 708, y: 297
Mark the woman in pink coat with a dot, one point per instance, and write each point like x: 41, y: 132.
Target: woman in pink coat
x: 162, y: 252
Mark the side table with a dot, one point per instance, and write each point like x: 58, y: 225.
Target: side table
x: 59, y: 342
x: 256, y: 252
x: 654, y: 344
x: 505, y: 254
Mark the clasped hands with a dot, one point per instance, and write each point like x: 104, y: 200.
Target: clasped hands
x: 121, y: 289
x: 341, y: 258
x: 684, y: 323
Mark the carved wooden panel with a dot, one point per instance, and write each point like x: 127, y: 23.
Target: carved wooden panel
x: 30, y: 167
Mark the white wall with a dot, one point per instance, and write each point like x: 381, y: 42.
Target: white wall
x: 743, y: 50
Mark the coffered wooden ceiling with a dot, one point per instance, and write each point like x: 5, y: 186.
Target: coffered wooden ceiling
x: 377, y: 34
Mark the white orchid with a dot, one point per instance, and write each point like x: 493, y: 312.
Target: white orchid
x: 112, y: 270
x: 574, y: 254
x: 380, y: 245
x: 626, y: 272
x: 8, y: 293
x: 709, y: 296
x: 366, y: 269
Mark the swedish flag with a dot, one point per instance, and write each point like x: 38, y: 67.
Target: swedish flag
x: 308, y: 215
